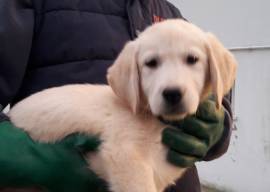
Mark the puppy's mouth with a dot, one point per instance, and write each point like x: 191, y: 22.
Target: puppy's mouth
x: 174, y: 117
x: 174, y: 113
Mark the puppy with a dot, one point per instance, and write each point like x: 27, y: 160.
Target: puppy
x: 166, y: 72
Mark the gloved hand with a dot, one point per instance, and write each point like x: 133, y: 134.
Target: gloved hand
x: 58, y: 167
x: 190, y: 139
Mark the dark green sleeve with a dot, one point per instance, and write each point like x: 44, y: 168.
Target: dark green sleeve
x: 53, y: 167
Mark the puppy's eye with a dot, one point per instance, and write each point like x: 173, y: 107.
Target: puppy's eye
x: 191, y: 59
x: 153, y: 63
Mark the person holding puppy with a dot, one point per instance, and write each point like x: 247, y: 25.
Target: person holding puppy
x: 46, y: 43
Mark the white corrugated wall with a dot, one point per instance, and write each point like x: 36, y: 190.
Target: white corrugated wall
x: 243, y: 26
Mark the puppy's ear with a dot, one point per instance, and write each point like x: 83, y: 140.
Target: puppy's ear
x: 123, y: 76
x: 222, y: 65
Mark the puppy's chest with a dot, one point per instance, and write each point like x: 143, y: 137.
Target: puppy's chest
x: 140, y: 134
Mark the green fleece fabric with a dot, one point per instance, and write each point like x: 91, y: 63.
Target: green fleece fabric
x: 54, y: 167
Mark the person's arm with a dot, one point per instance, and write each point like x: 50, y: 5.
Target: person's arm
x: 16, y: 32
x: 203, y: 136
x: 24, y: 162
x: 53, y: 167
x: 222, y: 144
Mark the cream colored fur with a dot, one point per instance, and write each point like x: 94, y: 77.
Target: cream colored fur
x: 131, y: 157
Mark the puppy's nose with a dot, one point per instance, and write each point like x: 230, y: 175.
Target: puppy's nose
x: 172, y: 96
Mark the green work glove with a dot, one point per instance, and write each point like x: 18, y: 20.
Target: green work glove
x: 58, y: 167
x: 190, y: 139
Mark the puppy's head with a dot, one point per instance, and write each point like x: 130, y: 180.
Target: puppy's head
x: 170, y: 68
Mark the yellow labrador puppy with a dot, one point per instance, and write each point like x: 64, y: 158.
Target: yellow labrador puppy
x: 166, y: 72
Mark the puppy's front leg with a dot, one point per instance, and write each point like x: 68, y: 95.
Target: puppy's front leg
x: 130, y: 173
x: 137, y: 178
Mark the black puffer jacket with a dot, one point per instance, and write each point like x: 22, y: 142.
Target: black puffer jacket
x: 46, y: 43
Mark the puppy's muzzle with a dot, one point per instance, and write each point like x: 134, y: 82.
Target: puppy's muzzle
x: 173, y: 107
x: 172, y: 97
